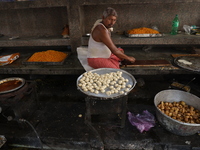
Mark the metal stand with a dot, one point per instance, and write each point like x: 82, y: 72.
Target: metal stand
x: 96, y: 106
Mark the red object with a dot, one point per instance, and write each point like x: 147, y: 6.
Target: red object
x: 112, y: 62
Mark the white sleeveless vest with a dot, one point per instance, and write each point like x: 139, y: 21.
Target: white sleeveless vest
x: 98, y: 49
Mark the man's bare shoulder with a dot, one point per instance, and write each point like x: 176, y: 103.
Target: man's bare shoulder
x: 99, y: 33
x: 100, y: 28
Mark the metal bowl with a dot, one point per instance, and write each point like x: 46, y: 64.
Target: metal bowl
x: 126, y: 75
x: 170, y: 124
x: 11, y: 79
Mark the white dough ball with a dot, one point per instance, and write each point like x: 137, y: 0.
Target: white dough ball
x: 92, y: 90
x: 85, y: 89
x: 127, y: 89
x: 116, y: 91
x: 111, y: 87
x: 102, y: 91
x: 96, y: 92
x: 123, y: 86
x: 120, y: 81
x: 121, y: 92
x: 129, y: 85
x: 118, y: 88
x: 116, y: 85
x: 108, y: 92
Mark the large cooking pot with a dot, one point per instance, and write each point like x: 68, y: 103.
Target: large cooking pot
x: 172, y: 125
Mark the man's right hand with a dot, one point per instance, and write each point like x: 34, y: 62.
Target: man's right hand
x: 131, y: 59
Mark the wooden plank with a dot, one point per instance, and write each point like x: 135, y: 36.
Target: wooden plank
x: 147, y: 63
x: 178, y: 55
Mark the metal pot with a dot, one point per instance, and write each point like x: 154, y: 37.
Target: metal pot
x: 172, y: 125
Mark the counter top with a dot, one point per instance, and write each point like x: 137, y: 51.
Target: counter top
x: 34, y: 41
x: 73, y: 66
x: 167, y: 39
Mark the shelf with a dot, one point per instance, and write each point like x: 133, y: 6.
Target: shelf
x: 34, y: 41
x: 54, y: 3
x: 179, y: 39
x: 72, y: 65
x: 100, y: 2
x: 32, y: 4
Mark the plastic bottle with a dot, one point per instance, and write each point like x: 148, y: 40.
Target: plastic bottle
x: 175, y: 25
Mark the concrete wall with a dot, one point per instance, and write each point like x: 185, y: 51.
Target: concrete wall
x: 49, y: 21
x: 46, y: 18
x: 146, y: 15
x: 33, y: 22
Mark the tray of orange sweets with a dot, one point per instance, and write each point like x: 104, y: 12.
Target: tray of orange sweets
x: 48, y: 57
x: 143, y: 32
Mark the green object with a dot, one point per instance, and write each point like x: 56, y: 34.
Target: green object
x: 175, y: 25
x: 195, y: 27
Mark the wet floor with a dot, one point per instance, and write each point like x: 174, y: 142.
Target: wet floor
x: 59, y: 119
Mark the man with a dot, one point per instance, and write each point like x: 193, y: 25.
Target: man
x: 102, y: 53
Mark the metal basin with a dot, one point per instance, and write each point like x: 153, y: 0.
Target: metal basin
x: 172, y: 125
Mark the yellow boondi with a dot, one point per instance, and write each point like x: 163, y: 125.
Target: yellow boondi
x: 48, y: 56
x: 143, y: 30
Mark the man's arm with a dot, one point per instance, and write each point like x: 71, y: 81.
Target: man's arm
x: 101, y: 35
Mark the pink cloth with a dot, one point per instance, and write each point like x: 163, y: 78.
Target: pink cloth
x: 112, y: 62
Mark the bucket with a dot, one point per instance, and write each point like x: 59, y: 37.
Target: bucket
x: 170, y: 124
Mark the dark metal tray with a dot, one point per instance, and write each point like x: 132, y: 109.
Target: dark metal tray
x: 194, y: 60
x: 25, y: 62
x: 144, y: 35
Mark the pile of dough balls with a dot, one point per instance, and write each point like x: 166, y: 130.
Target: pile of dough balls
x: 180, y: 111
x: 109, y: 83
